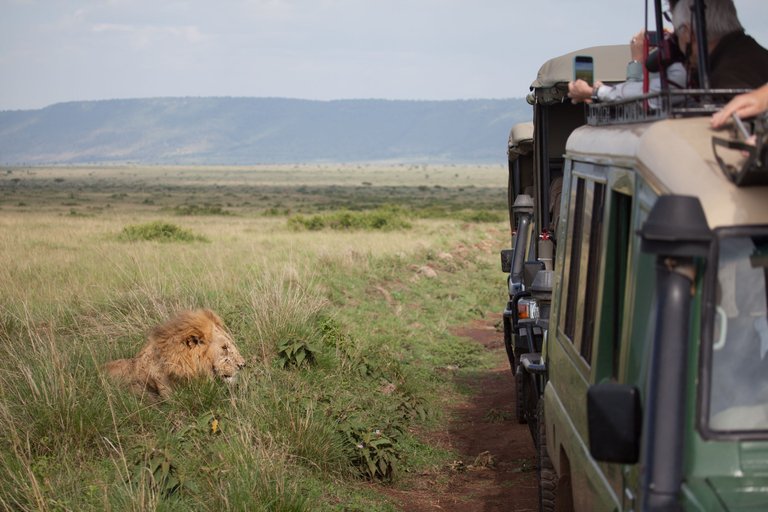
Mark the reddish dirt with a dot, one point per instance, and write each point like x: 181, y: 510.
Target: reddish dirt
x: 496, y: 467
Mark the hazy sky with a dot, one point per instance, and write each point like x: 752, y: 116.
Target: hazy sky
x: 64, y: 50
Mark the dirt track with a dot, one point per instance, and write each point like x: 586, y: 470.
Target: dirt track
x: 497, y: 470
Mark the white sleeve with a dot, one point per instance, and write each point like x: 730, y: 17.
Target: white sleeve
x: 621, y: 91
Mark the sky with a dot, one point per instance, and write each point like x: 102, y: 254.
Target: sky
x: 54, y: 51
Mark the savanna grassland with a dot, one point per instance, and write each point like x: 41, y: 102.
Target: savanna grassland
x: 339, y: 284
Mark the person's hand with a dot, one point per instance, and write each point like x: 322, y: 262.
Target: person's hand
x: 744, y: 105
x: 637, y: 45
x: 579, y: 91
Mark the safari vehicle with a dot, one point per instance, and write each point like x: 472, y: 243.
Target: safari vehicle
x: 655, y: 356
x: 535, y: 153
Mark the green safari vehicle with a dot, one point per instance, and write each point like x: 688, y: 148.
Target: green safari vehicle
x: 654, y: 363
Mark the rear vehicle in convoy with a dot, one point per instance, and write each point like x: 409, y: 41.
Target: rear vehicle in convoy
x: 651, y: 368
x: 535, y: 183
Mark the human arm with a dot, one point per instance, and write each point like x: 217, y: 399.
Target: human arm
x: 579, y: 90
x: 744, y: 105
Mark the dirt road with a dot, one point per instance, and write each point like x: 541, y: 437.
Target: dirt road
x: 496, y: 471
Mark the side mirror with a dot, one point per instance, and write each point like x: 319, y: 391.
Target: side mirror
x: 506, y: 260
x: 614, y: 420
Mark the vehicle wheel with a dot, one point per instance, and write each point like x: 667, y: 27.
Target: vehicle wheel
x: 520, y: 396
x: 547, y: 476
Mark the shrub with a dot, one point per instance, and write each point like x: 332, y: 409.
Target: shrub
x: 372, y: 452
x: 295, y: 352
x: 160, y: 232
x: 201, y: 209
x: 481, y: 216
x: 381, y: 219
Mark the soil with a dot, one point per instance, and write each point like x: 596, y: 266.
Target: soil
x: 496, y: 469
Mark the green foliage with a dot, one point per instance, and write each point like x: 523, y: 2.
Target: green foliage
x: 380, y: 219
x: 201, y: 209
x: 373, y: 453
x: 412, y: 407
x: 351, y: 358
x: 159, y: 231
x: 199, y: 395
x: 480, y: 216
x: 296, y: 353
x: 154, y: 468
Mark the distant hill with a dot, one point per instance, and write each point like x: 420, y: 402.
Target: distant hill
x: 259, y: 130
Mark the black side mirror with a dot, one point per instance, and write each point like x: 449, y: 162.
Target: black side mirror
x: 506, y: 260
x: 614, y: 420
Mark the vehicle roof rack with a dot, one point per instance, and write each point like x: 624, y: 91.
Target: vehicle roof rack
x: 661, y: 105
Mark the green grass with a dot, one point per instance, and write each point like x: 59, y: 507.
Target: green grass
x: 374, y: 332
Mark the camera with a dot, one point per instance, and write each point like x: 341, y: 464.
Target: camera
x: 672, y: 52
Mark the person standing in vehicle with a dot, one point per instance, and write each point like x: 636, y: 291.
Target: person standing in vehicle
x: 579, y: 90
x: 736, y: 60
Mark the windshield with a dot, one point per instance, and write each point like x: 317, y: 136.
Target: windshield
x: 739, y: 371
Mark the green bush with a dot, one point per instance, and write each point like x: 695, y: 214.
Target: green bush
x: 480, y: 216
x: 295, y: 352
x: 381, y: 219
x: 201, y: 209
x: 372, y: 452
x: 158, y: 231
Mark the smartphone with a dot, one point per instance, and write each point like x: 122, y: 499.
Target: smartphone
x: 584, y: 68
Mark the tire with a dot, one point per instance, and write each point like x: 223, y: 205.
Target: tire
x: 547, y: 476
x: 520, y: 396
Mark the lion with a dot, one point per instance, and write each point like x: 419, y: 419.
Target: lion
x: 190, y: 345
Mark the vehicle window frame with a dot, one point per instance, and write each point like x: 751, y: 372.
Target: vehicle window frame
x: 707, y: 334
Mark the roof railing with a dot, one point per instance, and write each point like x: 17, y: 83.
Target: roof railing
x: 656, y: 106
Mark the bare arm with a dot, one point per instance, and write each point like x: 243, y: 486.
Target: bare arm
x: 744, y: 105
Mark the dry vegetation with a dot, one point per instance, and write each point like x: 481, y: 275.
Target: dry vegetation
x: 345, y: 330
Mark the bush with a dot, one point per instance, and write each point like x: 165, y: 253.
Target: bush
x: 372, y: 452
x: 481, y: 216
x: 201, y: 209
x: 160, y: 232
x: 381, y: 219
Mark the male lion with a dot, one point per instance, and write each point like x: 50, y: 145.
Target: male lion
x: 191, y: 344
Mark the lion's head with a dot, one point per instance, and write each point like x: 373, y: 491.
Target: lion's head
x: 196, y: 344
x: 225, y: 359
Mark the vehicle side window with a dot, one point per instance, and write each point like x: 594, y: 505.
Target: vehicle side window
x: 576, y: 230
x: 617, y: 244
x: 593, y: 271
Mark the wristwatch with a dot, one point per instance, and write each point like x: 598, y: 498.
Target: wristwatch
x: 595, y: 94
